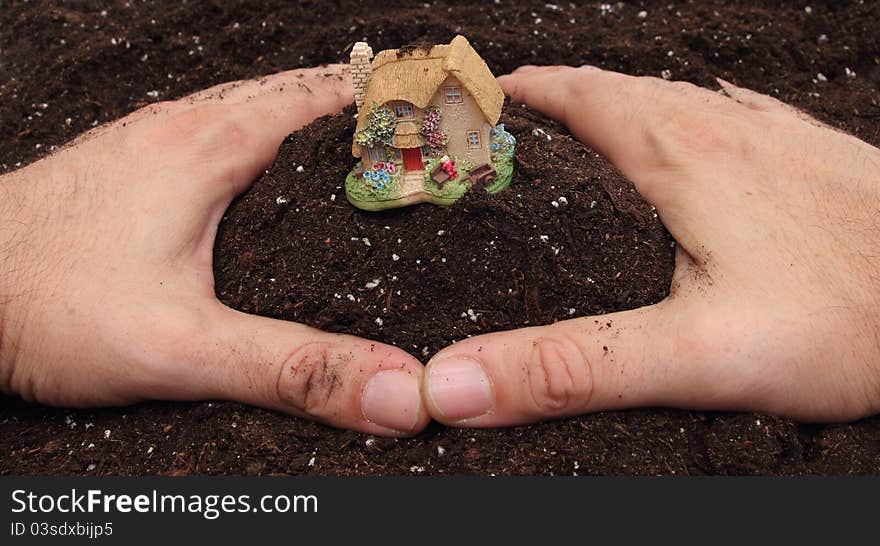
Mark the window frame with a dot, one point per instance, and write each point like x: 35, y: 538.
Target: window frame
x: 452, y: 94
x: 406, y: 108
x: 479, y: 141
x: 377, y: 153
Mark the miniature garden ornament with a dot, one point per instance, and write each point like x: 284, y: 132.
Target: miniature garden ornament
x: 427, y: 127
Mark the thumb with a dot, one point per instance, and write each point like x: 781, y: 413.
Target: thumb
x: 569, y: 368
x: 340, y: 380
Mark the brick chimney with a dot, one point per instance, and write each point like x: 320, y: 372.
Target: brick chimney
x: 361, y: 70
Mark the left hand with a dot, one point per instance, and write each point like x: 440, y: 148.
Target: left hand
x: 106, y: 281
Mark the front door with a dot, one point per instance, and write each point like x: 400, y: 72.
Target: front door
x: 412, y: 159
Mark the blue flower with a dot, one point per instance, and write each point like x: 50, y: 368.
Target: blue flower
x: 381, y: 172
x: 510, y: 153
x: 385, y: 178
x: 494, y: 145
x: 367, y: 175
x: 375, y: 175
x: 379, y: 185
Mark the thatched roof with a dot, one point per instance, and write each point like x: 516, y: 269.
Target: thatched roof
x: 406, y: 135
x: 413, y: 75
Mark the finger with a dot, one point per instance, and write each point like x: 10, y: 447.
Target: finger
x: 245, y: 90
x: 649, y: 128
x: 339, y: 380
x: 227, y: 144
x: 765, y: 103
x: 615, y: 361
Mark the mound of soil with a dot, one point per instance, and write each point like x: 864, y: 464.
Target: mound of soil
x: 570, y: 237
x: 293, y: 248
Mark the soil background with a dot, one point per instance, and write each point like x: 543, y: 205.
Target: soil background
x: 65, y: 67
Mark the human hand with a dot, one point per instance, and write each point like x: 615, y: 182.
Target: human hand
x: 775, y: 300
x: 106, y: 287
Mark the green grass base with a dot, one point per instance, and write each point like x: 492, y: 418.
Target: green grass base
x: 363, y: 196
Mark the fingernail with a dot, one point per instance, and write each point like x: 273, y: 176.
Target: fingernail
x: 391, y: 399
x: 459, y: 388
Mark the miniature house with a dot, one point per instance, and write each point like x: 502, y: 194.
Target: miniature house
x: 426, y: 116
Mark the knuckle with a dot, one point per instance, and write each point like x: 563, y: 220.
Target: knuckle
x: 203, y: 126
x: 559, y: 376
x: 688, y: 121
x: 309, y: 379
x: 681, y: 135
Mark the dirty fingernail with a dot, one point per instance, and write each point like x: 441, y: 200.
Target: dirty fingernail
x: 391, y: 399
x: 459, y: 388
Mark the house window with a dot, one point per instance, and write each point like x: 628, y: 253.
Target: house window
x: 453, y: 94
x: 473, y: 139
x: 403, y: 109
x: 426, y: 152
x: 377, y: 153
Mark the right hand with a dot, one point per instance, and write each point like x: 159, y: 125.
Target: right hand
x: 775, y: 299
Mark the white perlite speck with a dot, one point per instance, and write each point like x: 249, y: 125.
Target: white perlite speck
x: 372, y: 284
x: 379, y: 321
x: 300, y: 169
x: 395, y: 257
x: 281, y: 200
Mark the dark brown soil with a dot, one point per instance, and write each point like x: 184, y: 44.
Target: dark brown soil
x: 60, y: 62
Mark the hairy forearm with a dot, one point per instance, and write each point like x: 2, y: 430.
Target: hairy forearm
x: 12, y: 272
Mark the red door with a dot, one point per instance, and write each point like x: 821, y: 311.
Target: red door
x: 412, y: 159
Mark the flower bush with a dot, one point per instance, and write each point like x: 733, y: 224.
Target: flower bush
x: 375, y: 185
x: 379, y: 128
x: 502, y: 144
x: 381, y: 175
x: 435, y: 139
